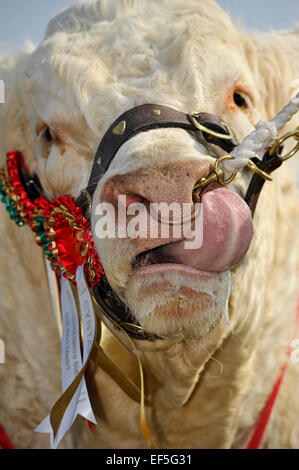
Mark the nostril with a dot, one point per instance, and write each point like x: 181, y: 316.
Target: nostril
x: 122, y: 195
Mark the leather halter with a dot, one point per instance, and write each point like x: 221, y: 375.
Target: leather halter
x: 129, y: 124
x: 203, y: 126
x: 141, y: 119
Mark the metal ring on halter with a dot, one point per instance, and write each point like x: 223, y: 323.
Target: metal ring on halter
x: 216, y: 176
x: 278, y: 142
x: 220, y: 173
x: 205, y: 129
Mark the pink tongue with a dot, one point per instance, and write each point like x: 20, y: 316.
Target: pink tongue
x: 227, y: 233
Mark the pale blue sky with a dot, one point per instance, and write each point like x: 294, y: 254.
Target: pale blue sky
x: 27, y: 19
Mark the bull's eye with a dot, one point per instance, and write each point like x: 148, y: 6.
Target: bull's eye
x: 49, y: 136
x: 240, y: 100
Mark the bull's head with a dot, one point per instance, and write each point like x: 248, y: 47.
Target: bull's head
x: 100, y: 59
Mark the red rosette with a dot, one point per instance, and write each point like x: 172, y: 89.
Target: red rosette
x: 71, y: 241
x: 41, y: 207
x: 68, y: 232
x: 14, y: 160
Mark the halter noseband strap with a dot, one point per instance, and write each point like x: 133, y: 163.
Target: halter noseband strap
x: 144, y: 118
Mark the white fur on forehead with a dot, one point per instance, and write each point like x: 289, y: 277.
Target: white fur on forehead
x: 84, y: 14
x: 116, y: 54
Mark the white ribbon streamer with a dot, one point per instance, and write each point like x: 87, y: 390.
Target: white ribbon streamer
x: 71, y: 358
x: 88, y: 326
x: 53, y: 294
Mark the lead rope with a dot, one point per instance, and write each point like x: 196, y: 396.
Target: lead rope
x: 262, y: 138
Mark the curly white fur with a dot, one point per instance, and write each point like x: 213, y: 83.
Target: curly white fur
x: 100, y: 58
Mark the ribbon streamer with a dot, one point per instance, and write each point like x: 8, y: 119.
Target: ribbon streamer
x: 74, y: 399
x: 88, y: 323
x: 54, y: 294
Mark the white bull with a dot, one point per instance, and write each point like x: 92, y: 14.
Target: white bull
x: 99, y: 59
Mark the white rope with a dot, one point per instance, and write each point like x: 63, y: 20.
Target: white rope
x: 263, y: 137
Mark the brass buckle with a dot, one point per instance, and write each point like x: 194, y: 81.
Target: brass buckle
x: 217, y: 175
x: 278, y: 142
x: 205, y: 129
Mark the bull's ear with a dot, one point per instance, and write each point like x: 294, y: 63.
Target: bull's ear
x: 274, y: 60
x: 15, y: 131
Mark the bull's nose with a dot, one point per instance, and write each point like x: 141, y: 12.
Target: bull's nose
x: 173, y: 183
x: 226, y: 223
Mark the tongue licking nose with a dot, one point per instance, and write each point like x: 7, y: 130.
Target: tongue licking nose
x: 227, y: 233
